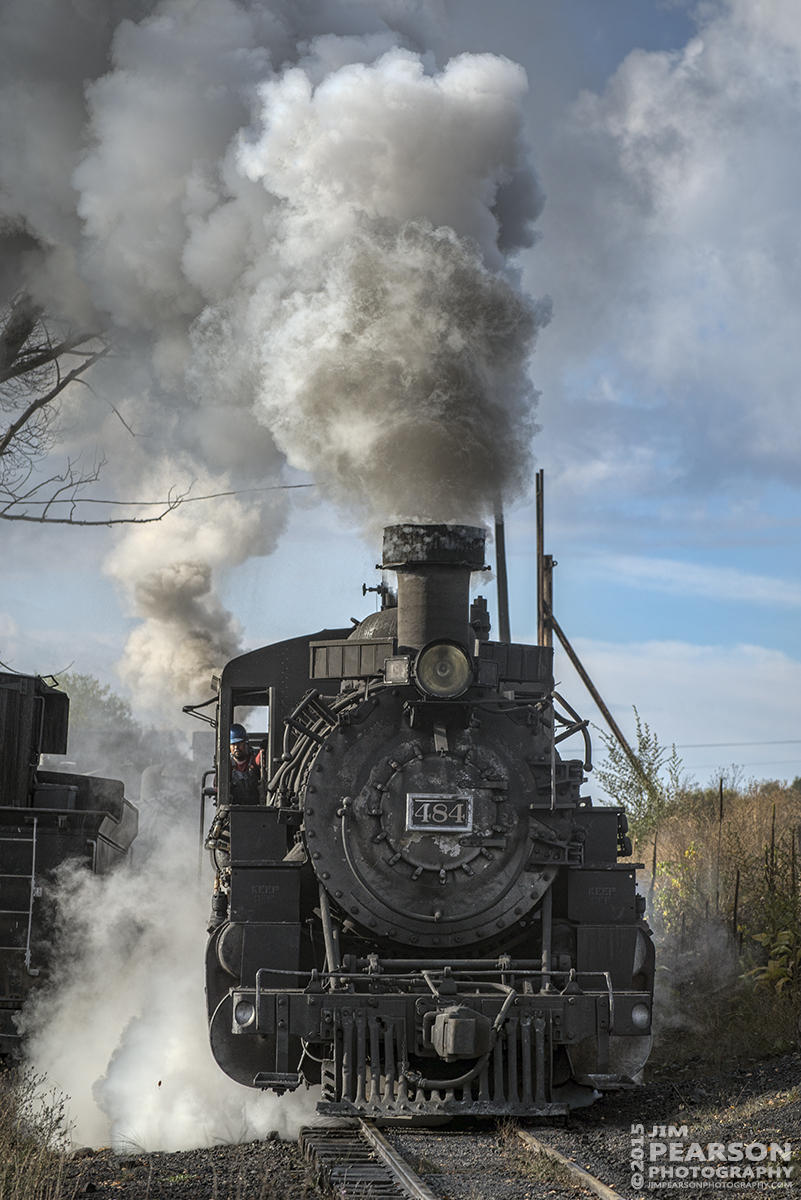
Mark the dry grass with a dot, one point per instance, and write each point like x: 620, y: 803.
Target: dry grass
x: 423, y: 1165
x: 542, y: 1169
x: 535, y: 1165
x: 726, y: 909
x: 33, y: 1138
x: 721, y: 1025
x: 699, y: 856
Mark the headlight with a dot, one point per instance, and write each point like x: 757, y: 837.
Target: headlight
x: 640, y: 1016
x: 244, y: 1012
x: 443, y: 669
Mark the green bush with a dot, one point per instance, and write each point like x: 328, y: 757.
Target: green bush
x: 646, y: 787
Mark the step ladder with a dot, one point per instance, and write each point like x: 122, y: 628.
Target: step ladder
x: 26, y: 886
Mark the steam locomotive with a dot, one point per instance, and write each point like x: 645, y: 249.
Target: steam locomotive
x: 45, y: 818
x: 422, y: 913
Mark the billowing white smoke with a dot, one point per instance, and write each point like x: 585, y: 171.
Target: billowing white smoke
x: 121, y: 1027
x: 341, y: 257
x: 400, y: 380
x: 302, y: 226
x: 389, y: 348
x: 186, y: 632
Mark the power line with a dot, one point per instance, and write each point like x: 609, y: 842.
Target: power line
x: 718, y: 745
x: 715, y: 745
x: 177, y: 502
x: 784, y: 762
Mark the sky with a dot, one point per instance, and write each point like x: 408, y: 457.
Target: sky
x: 650, y: 146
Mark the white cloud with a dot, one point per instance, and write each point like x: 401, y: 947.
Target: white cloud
x: 672, y: 248
x: 695, y: 695
x: 690, y: 579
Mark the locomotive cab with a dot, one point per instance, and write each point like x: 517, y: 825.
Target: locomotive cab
x: 422, y: 914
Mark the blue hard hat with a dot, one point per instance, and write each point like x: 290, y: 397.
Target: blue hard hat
x: 238, y: 733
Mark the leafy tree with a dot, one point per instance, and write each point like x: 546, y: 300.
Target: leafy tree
x: 93, y: 705
x: 645, y: 787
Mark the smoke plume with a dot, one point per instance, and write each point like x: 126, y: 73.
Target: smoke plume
x: 300, y: 227
x: 382, y: 323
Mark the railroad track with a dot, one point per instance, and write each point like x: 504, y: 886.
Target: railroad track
x: 357, y: 1162
x: 582, y: 1178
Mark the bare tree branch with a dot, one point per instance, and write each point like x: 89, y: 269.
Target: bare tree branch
x: 185, y: 498
x: 32, y: 362
x: 71, y: 520
x: 33, y: 353
x: 121, y: 418
x: 40, y: 402
x: 169, y: 505
x: 21, y: 323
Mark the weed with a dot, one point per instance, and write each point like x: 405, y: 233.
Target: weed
x: 423, y: 1165
x: 33, y: 1138
x: 543, y: 1169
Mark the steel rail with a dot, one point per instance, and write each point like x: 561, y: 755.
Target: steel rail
x: 409, y: 1180
x: 579, y: 1174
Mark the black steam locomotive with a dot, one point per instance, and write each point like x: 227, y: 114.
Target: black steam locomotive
x: 45, y: 818
x: 422, y: 913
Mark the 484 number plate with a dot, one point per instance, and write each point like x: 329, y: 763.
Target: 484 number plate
x: 427, y: 811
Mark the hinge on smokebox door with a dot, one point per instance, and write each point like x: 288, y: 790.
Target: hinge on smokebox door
x: 548, y: 850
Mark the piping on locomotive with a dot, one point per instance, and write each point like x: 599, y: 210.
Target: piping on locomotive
x: 422, y: 913
x: 46, y: 817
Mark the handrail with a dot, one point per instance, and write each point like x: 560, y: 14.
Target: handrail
x: 32, y: 898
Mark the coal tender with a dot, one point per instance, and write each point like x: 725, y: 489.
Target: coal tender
x: 46, y: 817
x: 422, y: 913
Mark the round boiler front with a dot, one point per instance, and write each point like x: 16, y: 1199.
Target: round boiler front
x: 424, y: 846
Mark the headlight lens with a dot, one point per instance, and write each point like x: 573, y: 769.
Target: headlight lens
x: 640, y: 1016
x: 244, y: 1012
x: 443, y: 669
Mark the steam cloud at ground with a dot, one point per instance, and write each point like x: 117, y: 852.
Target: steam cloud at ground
x: 301, y: 229
x: 121, y: 1028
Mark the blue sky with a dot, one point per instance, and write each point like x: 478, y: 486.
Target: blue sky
x: 665, y: 140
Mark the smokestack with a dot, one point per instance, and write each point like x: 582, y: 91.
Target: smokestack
x: 433, y: 563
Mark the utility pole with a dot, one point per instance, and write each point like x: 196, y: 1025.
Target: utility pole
x: 545, y: 566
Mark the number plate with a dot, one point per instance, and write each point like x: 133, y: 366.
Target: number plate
x: 427, y: 811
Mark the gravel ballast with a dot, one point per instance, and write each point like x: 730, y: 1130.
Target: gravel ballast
x: 755, y: 1102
